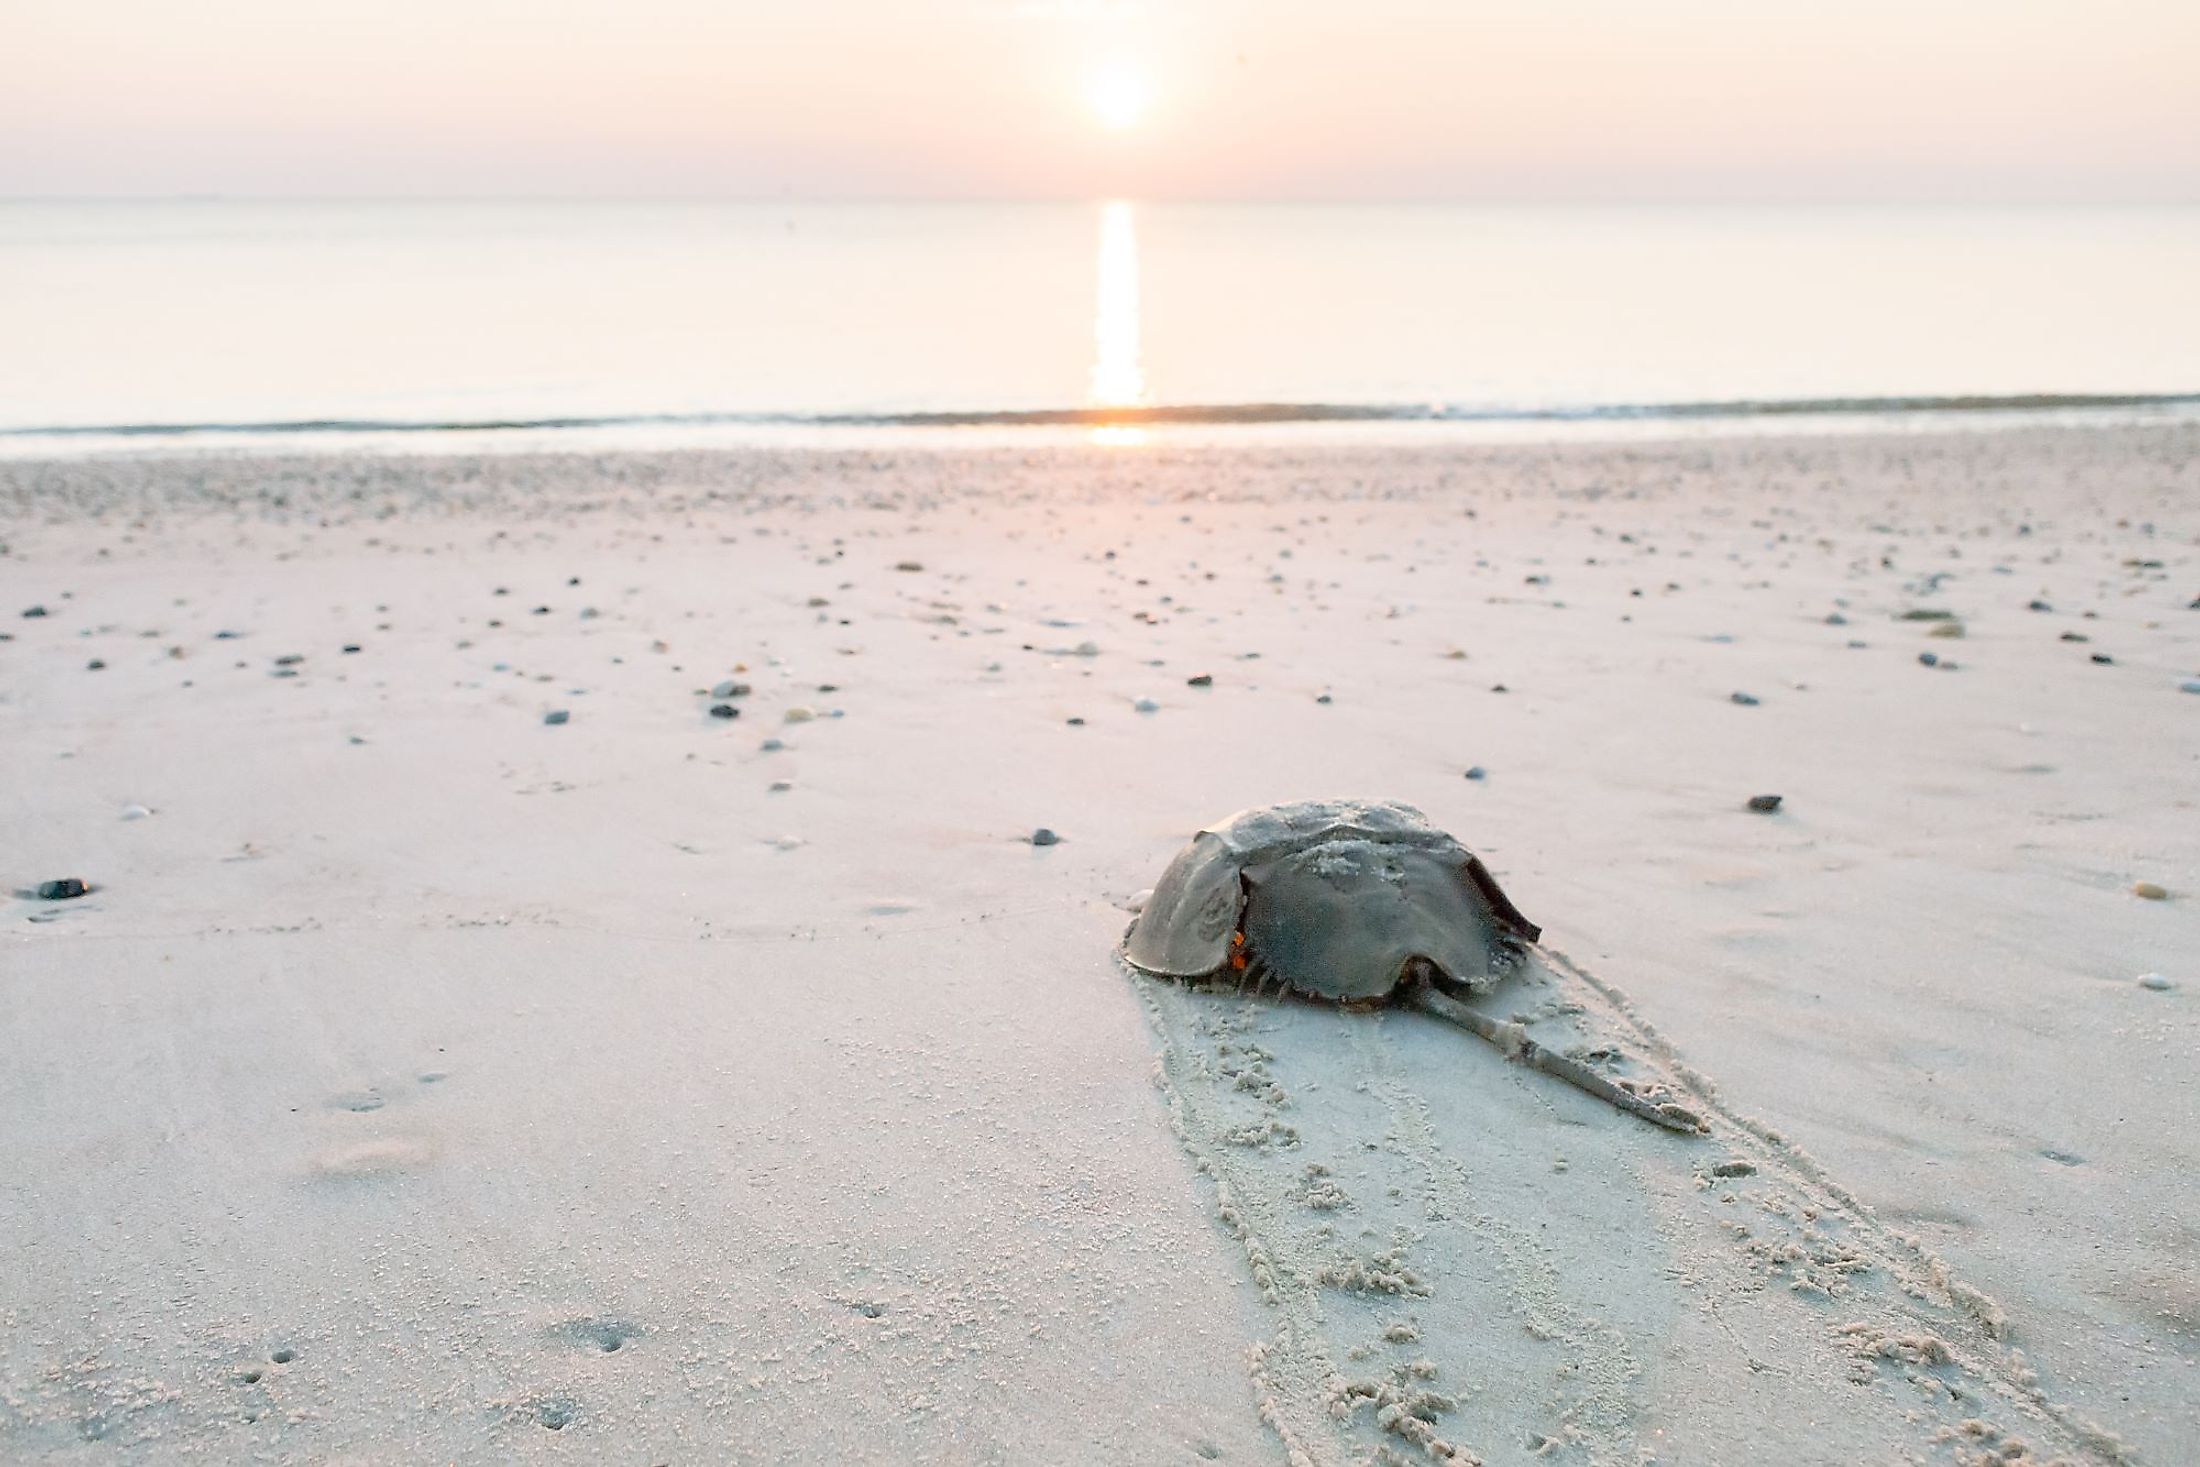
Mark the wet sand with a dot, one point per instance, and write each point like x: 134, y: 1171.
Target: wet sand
x: 422, y: 1080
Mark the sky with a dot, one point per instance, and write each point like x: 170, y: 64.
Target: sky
x: 1475, y: 100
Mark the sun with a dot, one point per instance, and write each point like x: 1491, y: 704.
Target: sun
x: 1119, y: 95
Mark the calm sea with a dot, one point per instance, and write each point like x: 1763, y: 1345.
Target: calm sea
x: 390, y: 317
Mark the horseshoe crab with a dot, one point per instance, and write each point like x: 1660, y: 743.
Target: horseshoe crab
x: 1357, y: 903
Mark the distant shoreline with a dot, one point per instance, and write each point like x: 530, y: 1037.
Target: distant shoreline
x: 1219, y: 414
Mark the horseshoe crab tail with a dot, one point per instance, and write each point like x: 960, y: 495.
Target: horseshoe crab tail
x: 1514, y: 1042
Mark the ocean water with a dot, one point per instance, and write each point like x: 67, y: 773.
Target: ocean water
x: 221, y: 316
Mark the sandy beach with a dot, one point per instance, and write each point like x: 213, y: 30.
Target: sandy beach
x: 423, y: 1080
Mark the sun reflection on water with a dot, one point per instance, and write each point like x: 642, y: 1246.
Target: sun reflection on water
x: 1118, y: 381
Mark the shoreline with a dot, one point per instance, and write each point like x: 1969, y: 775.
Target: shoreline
x: 646, y: 432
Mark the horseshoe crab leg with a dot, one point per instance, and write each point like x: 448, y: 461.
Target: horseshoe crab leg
x: 1514, y: 1042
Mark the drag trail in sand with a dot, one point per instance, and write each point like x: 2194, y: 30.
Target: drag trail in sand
x: 1475, y: 1263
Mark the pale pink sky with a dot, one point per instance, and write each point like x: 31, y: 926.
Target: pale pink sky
x: 1441, y: 99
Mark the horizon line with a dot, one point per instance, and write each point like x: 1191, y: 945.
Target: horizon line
x: 1493, y: 201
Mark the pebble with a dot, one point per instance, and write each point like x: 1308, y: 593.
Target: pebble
x: 1204, y: 680
x: 2103, y: 659
x: 2149, y: 890
x: 771, y: 746
x: 1836, y: 619
x: 1146, y: 705
x: 1325, y: 698
x: 1077, y: 723
x: 1929, y: 659
x: 95, y: 665
x: 34, y: 611
x: 729, y: 689
x: 908, y: 565
x: 781, y: 786
x: 135, y: 812
x: 724, y: 710
x: 1044, y: 837
x: 2076, y: 637
x: 1747, y: 700
x: 1477, y: 772
x: 800, y: 713
x: 350, y: 647
x: 2039, y: 606
x: 2189, y: 685
x: 2156, y: 982
x: 1765, y: 804
x: 1947, y: 629
x: 67, y: 888
x: 556, y: 716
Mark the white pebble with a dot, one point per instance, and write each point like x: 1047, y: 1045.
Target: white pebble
x: 135, y: 812
x: 2156, y: 982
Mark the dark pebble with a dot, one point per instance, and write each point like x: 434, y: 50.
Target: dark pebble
x: 290, y: 659
x: 1747, y: 700
x: 1929, y: 659
x: 94, y: 665
x: 350, y: 647
x: 2103, y: 658
x: 1478, y: 772
x: 34, y: 611
x: 227, y: 636
x: 2076, y: 637
x: 1325, y: 698
x: 1764, y: 803
x: 1499, y: 688
x: 1836, y: 619
x: 556, y: 716
x: 67, y: 888
x: 724, y: 710
x: 2039, y: 606
x: 1044, y: 837
x: 1077, y: 723
x: 1204, y: 680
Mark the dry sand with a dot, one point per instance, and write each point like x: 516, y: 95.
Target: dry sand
x: 422, y: 1082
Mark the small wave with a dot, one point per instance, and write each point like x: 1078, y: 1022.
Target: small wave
x: 1220, y: 414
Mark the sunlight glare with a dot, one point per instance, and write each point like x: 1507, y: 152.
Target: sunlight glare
x: 1119, y: 96
x: 1117, y: 378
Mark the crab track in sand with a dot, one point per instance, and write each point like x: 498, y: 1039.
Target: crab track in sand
x: 1419, y: 1316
